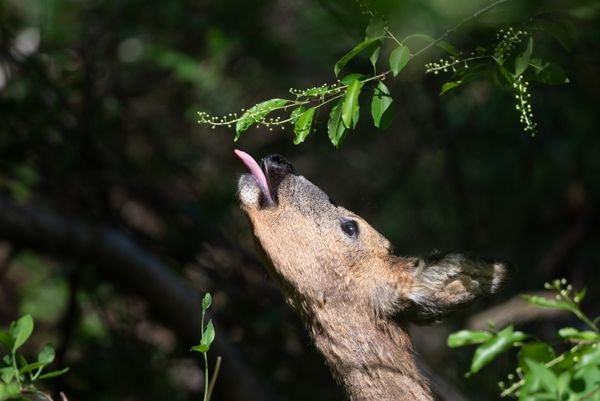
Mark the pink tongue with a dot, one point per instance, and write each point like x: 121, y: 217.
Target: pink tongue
x: 256, y: 172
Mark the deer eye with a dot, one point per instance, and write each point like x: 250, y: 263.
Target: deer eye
x: 350, y: 228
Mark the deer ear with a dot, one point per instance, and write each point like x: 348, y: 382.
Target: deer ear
x: 444, y: 282
x: 425, y: 290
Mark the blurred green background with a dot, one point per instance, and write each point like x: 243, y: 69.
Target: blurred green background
x: 114, y: 202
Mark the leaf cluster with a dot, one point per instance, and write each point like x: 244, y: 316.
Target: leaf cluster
x: 206, y: 339
x: 510, y: 62
x: 542, y: 373
x: 17, y: 375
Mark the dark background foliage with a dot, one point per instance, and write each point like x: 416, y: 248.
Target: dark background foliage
x: 98, y: 103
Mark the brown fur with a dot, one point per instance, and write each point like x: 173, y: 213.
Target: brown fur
x: 353, y: 294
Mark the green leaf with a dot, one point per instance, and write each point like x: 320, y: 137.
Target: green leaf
x: 257, y: 113
x: 296, y: 113
x: 507, y: 75
x: 7, y: 374
x: 399, y: 58
x: 493, y: 347
x: 54, y: 373
x: 206, y: 301
x: 335, y: 125
x: 6, y: 340
x: 21, y: 330
x: 547, y: 303
x: 574, y: 334
x: 581, y: 294
x: 9, y: 391
x: 303, y: 125
x: 546, y: 376
x: 341, y: 63
x: 449, y: 86
x: 590, y: 358
x: 522, y: 60
x: 208, y: 335
x: 448, y: 47
x: 562, y: 383
x: 421, y: 36
x: 200, y: 348
x: 348, y: 79
x: 467, y: 337
x: 374, y: 55
x: 557, y: 26
x: 550, y: 74
x: 32, y: 366
x: 376, y: 28
x: 539, y: 352
x: 380, y: 106
x: 46, y: 355
x: 350, y: 103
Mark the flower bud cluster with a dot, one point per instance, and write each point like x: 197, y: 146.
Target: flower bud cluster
x: 507, y: 41
x: 523, y: 105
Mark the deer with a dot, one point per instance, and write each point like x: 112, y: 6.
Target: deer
x: 355, y: 296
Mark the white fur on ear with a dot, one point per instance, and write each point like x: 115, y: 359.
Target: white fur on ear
x: 446, y: 282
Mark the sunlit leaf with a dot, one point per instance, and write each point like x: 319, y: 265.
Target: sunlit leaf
x: 9, y: 390
x: 256, y: 113
x: 467, y: 337
x: 303, y: 125
x: 335, y: 125
x: 547, y: 303
x: 32, y: 366
x: 350, y: 102
x: 7, y: 374
x: 200, y: 348
x: 380, y: 106
x: 399, y: 58
x: 206, y: 301
x: 539, y: 352
x: 590, y: 358
x: 545, y: 375
x: 208, y: 335
x: 374, y: 52
x: 449, y: 86
x: 348, y: 79
x: 21, y: 330
x: 574, y: 334
x: 52, y: 374
x: 493, y: 347
x: 296, y: 113
x: 46, y: 355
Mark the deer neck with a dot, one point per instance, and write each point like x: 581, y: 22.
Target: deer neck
x: 371, y: 357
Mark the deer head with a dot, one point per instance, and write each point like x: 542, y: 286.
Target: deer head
x: 343, y: 279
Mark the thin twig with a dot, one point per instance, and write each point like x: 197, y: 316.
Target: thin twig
x: 461, y: 23
x: 213, y: 379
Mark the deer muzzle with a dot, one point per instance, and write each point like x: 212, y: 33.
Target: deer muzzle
x: 259, y: 188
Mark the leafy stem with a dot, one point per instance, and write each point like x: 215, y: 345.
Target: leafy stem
x: 305, y: 107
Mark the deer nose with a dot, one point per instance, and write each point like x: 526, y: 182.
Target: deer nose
x: 276, y: 165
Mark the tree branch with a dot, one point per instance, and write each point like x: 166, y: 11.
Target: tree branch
x: 134, y: 270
